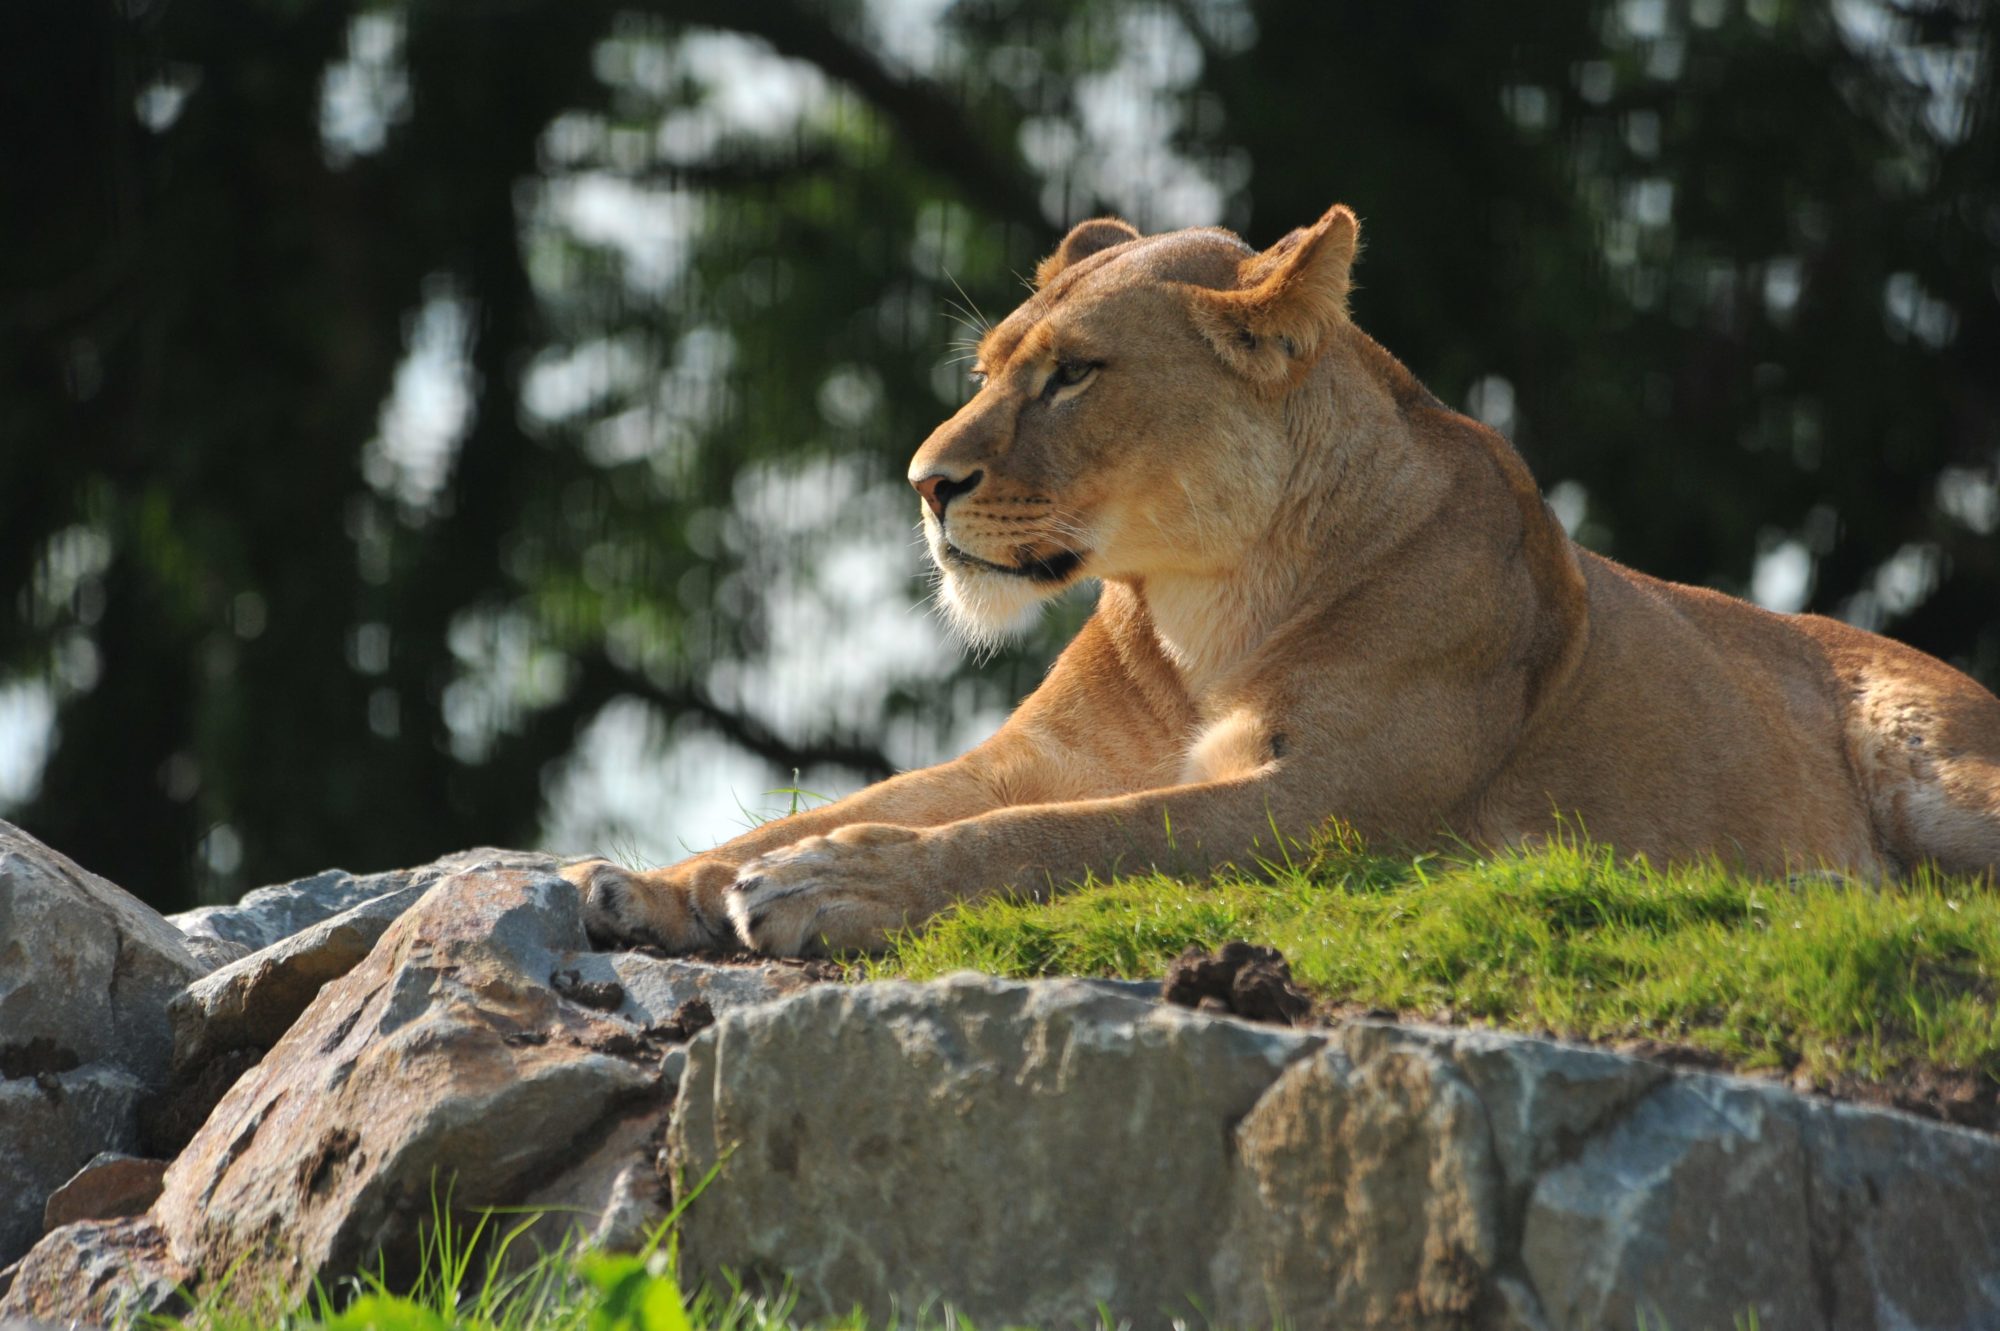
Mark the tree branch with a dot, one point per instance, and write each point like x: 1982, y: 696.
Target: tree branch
x: 936, y: 127
x: 599, y: 681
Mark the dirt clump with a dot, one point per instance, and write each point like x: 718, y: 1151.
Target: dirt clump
x: 649, y: 1042
x: 1963, y: 1099
x: 690, y: 1019
x: 1240, y: 978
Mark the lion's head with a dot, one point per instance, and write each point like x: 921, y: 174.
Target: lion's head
x: 1130, y: 416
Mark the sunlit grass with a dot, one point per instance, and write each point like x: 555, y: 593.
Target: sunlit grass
x: 1815, y: 976
x: 466, y: 1284
x: 475, y: 1276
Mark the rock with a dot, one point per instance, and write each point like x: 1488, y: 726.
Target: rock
x: 1367, y: 1195
x: 1028, y: 1153
x: 615, y: 1196
x: 655, y: 987
x: 110, y: 1187
x: 251, y: 1002
x: 1905, y: 1218
x: 1715, y: 1198
x: 86, y: 970
x: 214, y: 953
x: 52, y: 1123
x: 478, y: 1056
x: 270, y: 915
x: 445, y: 1061
x: 83, y: 963
x: 109, y: 1272
x: 224, y: 1022
x: 1542, y: 1098
x: 1023, y: 1151
x: 168, y: 1120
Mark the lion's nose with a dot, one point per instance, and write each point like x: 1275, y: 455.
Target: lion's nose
x: 939, y: 489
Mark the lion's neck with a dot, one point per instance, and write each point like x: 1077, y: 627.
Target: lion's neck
x: 1357, y: 489
x: 1208, y: 625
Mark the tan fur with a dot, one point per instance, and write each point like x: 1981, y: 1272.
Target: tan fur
x: 1324, y: 595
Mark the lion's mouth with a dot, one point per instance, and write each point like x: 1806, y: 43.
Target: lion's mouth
x: 1051, y: 568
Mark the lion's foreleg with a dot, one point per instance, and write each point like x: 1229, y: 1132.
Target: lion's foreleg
x: 852, y: 888
x: 688, y: 905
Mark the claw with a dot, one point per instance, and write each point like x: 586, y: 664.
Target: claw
x: 754, y: 887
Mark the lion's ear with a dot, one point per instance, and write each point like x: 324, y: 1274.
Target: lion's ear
x: 1084, y: 240
x: 1291, y: 296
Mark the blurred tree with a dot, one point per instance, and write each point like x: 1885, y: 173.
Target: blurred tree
x: 399, y: 400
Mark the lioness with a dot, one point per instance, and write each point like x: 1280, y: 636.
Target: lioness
x: 1324, y: 594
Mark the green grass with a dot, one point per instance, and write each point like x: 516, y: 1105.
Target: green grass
x: 473, y: 1277
x: 1816, y: 977
x: 464, y: 1285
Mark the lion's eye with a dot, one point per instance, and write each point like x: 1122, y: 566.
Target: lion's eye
x: 1068, y: 374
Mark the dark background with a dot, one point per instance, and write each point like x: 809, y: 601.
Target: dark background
x: 405, y: 406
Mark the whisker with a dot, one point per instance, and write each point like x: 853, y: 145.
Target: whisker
x: 984, y: 322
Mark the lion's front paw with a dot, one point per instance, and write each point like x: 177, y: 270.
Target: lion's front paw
x: 839, y: 893
x: 660, y: 907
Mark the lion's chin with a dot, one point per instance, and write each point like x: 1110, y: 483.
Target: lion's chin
x: 987, y: 610
x: 986, y: 605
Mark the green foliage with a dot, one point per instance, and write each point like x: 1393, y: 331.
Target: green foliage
x: 478, y: 1275
x: 633, y: 1296
x: 1814, y: 976
x: 558, y: 1292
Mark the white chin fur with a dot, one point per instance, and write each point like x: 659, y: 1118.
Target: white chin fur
x: 983, y: 610
x: 986, y: 610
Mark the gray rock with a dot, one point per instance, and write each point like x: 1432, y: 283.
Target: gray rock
x: 445, y: 1060
x: 110, y: 1187
x: 614, y: 1197
x: 655, y: 987
x: 83, y: 963
x: 251, y: 1002
x: 107, y: 1272
x: 444, y: 1068
x: 1024, y: 1152
x: 1367, y: 1195
x: 1716, y: 1197
x: 1691, y: 1210
x: 272, y: 914
x: 214, y: 953
x: 268, y: 915
x: 1542, y: 1097
x: 1027, y: 1153
x: 86, y: 970
x: 1905, y: 1220
x: 51, y: 1124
